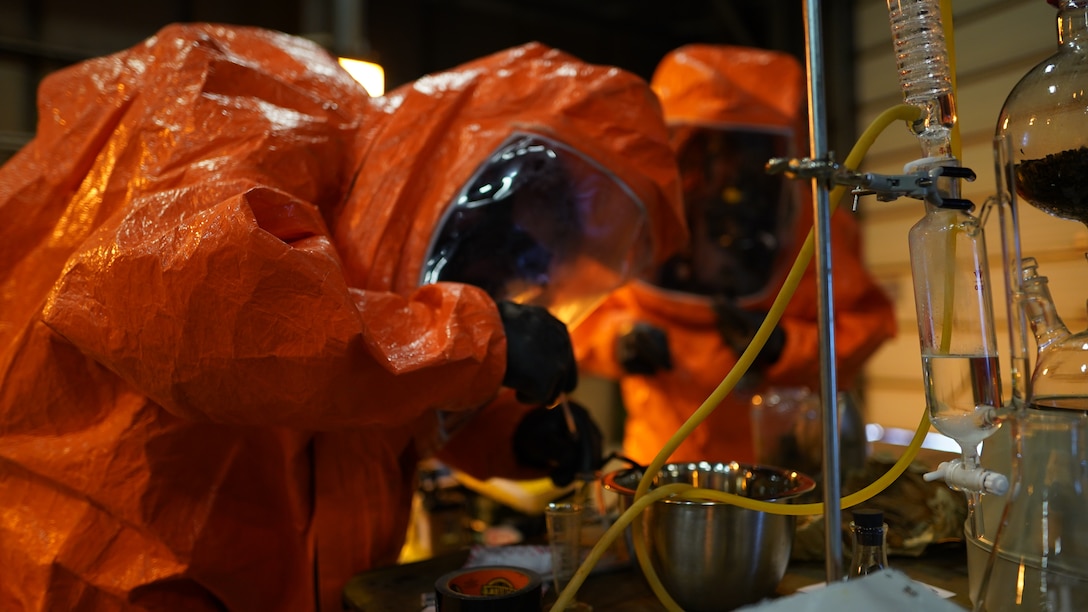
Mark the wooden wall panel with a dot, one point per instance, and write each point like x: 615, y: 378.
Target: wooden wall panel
x: 995, y: 43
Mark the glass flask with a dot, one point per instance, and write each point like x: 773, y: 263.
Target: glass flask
x: 1046, y: 120
x: 947, y: 246
x: 949, y: 265
x: 955, y: 326
x: 1039, y: 555
x: 1038, y: 561
x: 960, y: 369
x: 1060, y: 380
x: 869, y: 554
x: 1039, y: 558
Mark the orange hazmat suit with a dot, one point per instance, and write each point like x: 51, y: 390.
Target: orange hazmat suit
x: 726, y: 89
x: 218, y: 368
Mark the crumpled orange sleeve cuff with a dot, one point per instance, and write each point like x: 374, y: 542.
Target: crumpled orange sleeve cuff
x: 201, y: 270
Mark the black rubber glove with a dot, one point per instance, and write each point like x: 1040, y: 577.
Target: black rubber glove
x: 737, y: 327
x: 544, y: 440
x: 539, y: 356
x: 644, y: 349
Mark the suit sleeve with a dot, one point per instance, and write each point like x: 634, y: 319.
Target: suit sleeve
x: 201, y: 269
x: 483, y: 445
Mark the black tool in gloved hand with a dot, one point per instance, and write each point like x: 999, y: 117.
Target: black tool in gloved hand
x: 643, y: 349
x: 539, y: 356
x: 738, y: 326
x: 545, y: 440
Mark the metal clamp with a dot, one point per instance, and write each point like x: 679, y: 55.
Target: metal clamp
x: 921, y: 185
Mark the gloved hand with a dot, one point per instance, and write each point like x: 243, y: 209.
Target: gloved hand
x: 539, y: 356
x: 737, y: 327
x: 544, y: 440
x: 644, y: 349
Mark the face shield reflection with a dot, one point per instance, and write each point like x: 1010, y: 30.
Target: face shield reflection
x: 739, y: 215
x: 541, y: 224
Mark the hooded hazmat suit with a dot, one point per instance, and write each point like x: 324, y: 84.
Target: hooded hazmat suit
x: 218, y: 368
x: 739, y: 106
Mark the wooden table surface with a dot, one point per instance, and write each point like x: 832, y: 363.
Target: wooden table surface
x: 400, y: 588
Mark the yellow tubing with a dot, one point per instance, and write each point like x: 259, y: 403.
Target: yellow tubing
x: 901, y: 112
x: 949, y: 290
x: 686, y: 491
x: 956, y: 146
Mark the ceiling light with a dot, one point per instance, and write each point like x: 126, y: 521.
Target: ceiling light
x: 368, y: 74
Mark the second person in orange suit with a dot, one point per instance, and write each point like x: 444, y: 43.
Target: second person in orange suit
x: 672, y: 336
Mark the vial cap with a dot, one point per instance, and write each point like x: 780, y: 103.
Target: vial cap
x: 869, y: 518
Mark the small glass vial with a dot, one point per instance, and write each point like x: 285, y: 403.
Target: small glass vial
x: 870, y: 555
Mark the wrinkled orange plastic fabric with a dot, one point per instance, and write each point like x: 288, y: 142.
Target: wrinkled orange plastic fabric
x: 733, y: 86
x: 217, y: 372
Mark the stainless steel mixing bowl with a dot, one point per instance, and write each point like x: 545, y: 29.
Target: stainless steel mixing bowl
x: 713, y: 556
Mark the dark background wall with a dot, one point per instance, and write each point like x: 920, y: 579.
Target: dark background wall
x: 411, y: 38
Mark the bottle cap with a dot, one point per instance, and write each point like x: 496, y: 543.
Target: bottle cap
x: 869, y: 518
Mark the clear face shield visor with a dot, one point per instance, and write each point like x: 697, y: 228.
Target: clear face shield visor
x: 539, y: 223
x: 740, y: 217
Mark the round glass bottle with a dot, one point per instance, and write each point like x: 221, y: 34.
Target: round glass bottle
x: 1040, y: 555
x: 1046, y: 119
x: 1041, y: 546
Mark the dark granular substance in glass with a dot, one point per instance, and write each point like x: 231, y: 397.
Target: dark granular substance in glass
x: 1056, y: 184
